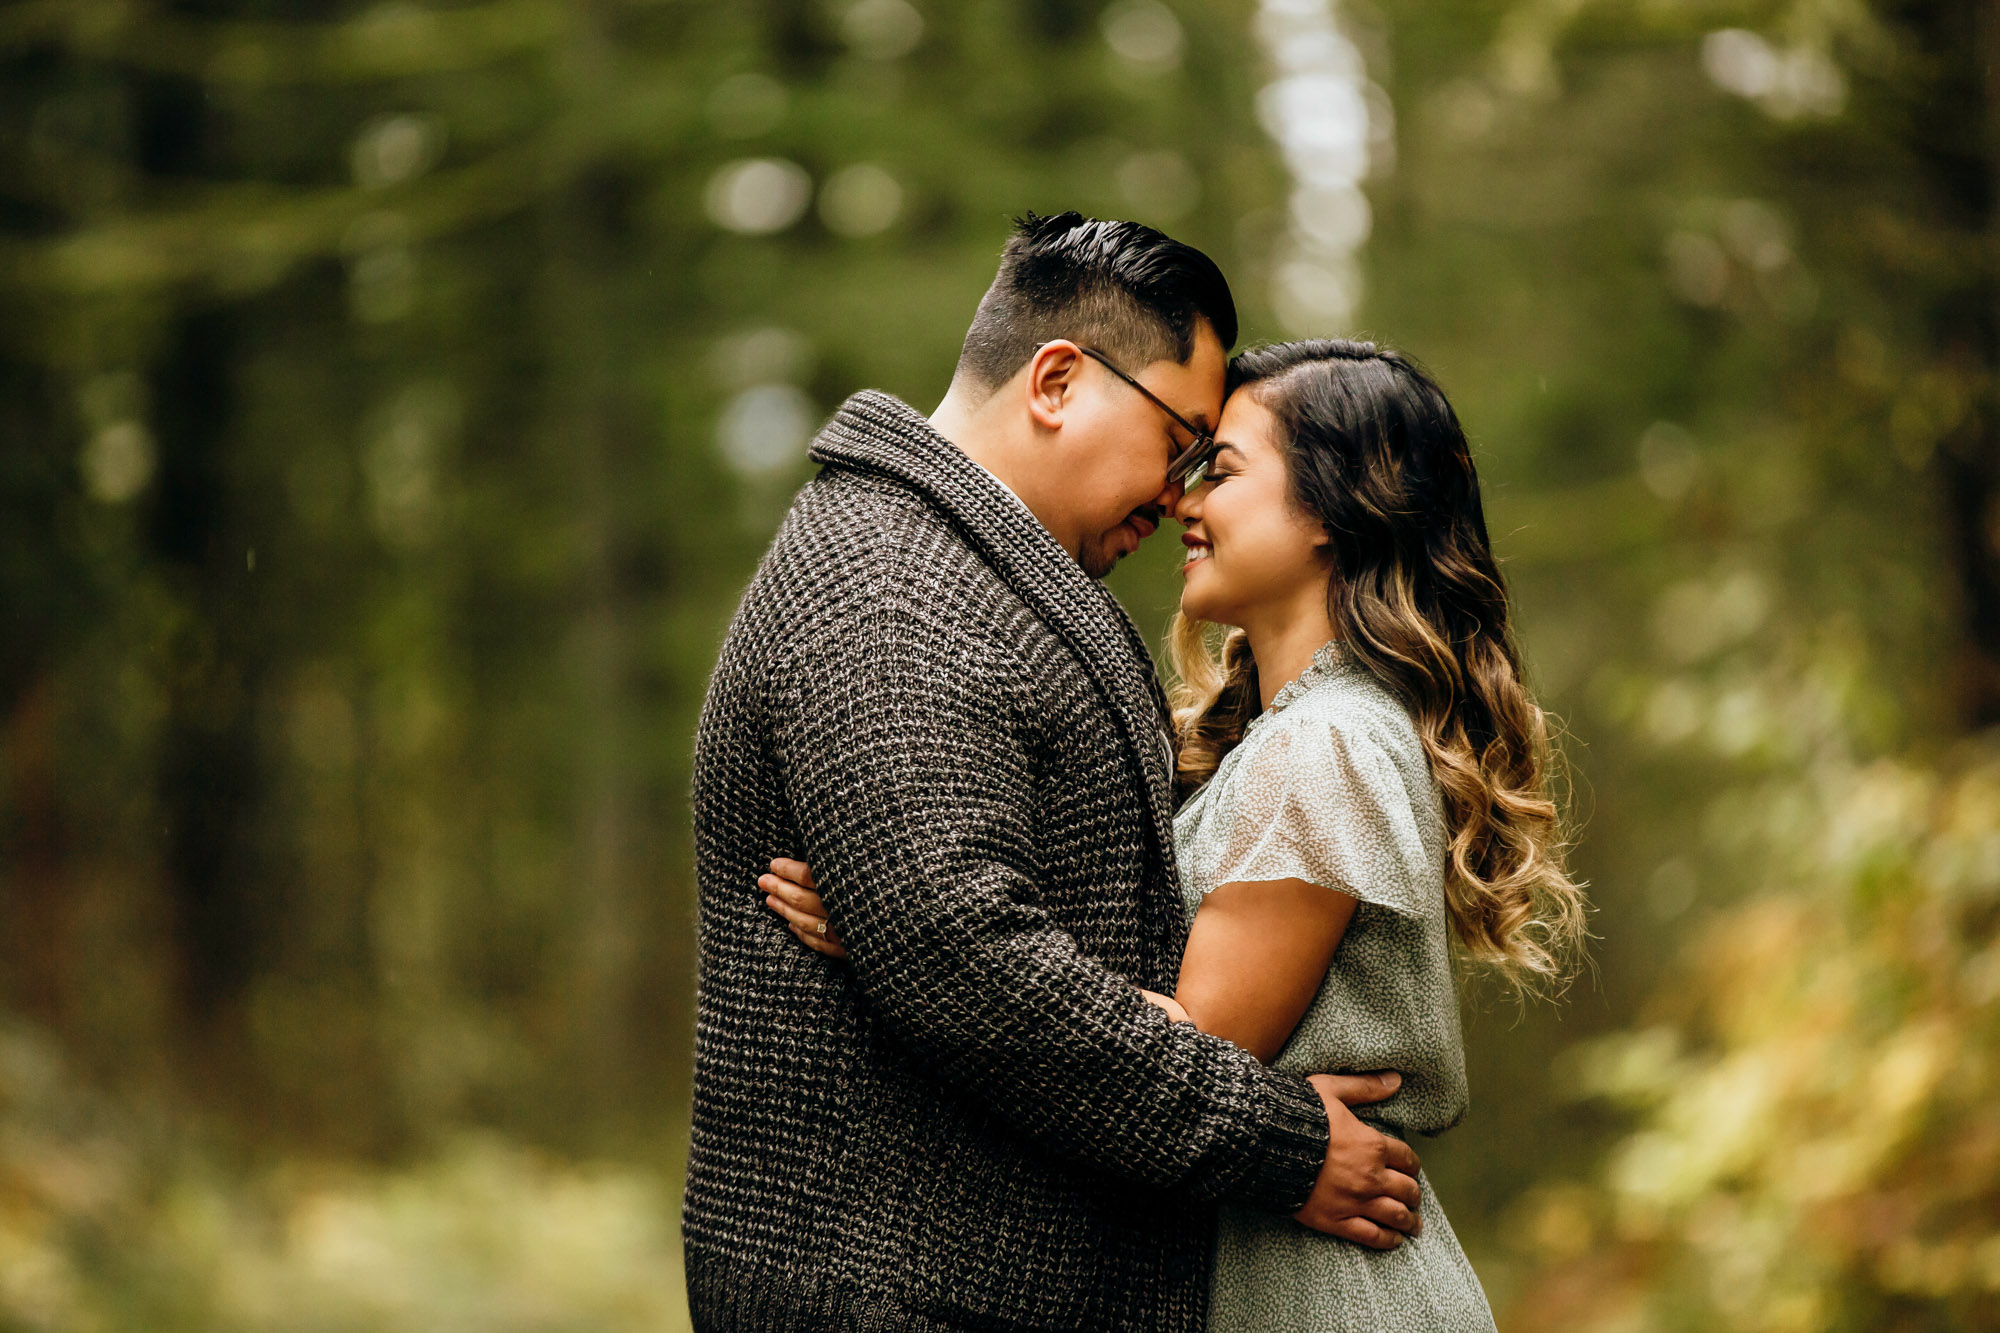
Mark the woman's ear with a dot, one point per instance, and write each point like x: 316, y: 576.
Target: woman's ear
x: 1051, y: 380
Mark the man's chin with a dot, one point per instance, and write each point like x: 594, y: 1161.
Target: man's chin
x: 1101, y: 556
x: 1099, y: 561
x: 1098, y: 558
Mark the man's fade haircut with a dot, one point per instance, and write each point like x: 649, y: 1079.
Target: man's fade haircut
x: 1133, y: 293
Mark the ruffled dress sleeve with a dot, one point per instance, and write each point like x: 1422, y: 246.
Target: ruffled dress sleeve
x: 1332, y: 803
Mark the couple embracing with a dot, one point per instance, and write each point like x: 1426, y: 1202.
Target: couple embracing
x: 1030, y: 1000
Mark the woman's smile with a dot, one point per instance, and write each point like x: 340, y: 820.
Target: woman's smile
x: 1278, y: 554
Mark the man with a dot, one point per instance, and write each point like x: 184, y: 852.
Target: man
x: 978, y: 1122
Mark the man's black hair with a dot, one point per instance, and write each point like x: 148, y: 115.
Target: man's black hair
x: 1129, y: 291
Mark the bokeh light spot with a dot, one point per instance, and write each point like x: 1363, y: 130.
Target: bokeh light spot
x: 1788, y: 83
x: 861, y: 200
x: 1144, y: 34
x: 764, y: 429
x: 118, y: 461
x: 882, y: 29
x: 758, y: 196
x: 390, y: 150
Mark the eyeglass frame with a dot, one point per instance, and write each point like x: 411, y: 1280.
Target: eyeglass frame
x: 1187, y: 461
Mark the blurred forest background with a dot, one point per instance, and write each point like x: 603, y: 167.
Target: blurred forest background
x: 394, y: 398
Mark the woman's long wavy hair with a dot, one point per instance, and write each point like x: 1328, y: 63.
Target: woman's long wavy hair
x: 1378, y: 457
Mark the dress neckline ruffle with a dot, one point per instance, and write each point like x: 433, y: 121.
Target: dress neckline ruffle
x: 1330, y: 660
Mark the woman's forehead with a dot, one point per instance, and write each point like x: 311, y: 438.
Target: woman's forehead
x: 1246, y: 423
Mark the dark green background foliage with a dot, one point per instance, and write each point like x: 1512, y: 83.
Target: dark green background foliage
x: 381, y: 400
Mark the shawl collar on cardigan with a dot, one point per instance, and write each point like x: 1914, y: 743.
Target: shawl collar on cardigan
x: 879, y: 434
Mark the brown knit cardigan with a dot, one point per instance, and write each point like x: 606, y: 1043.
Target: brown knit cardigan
x: 976, y: 1122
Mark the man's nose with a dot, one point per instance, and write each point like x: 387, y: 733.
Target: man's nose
x: 1169, y: 498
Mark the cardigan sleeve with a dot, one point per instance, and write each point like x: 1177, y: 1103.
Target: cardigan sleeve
x: 912, y: 795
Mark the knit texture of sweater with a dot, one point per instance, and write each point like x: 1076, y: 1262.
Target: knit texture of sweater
x: 976, y: 1121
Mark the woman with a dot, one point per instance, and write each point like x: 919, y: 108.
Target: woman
x: 1364, y: 778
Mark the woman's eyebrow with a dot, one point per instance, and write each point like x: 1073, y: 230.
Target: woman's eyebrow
x: 1225, y: 447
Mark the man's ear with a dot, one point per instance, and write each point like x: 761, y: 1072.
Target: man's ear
x: 1051, y: 379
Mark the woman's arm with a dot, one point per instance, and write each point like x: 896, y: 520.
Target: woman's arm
x: 1168, y: 1003
x: 1255, y: 956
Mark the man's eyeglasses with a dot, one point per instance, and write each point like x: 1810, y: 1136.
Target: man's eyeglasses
x: 1190, y: 463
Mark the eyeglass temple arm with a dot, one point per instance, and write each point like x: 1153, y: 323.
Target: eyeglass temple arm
x: 1203, y: 441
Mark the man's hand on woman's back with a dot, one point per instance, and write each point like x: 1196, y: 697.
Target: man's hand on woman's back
x: 1367, y: 1189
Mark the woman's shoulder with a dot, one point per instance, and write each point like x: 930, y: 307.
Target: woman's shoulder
x: 1331, y: 786
x: 1355, y: 712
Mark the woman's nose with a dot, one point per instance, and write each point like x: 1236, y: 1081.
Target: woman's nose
x: 1188, y: 508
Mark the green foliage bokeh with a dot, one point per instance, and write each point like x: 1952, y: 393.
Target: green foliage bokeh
x: 394, y: 399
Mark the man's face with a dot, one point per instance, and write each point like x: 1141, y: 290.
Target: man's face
x: 1117, y: 445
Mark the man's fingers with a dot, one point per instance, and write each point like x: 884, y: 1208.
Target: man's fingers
x: 1363, y: 1232
x: 1400, y: 1156
x: 1403, y: 1189
x: 1360, y: 1089
x: 796, y: 871
x: 1390, y: 1213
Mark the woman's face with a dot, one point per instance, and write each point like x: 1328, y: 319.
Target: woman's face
x: 1251, y: 551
